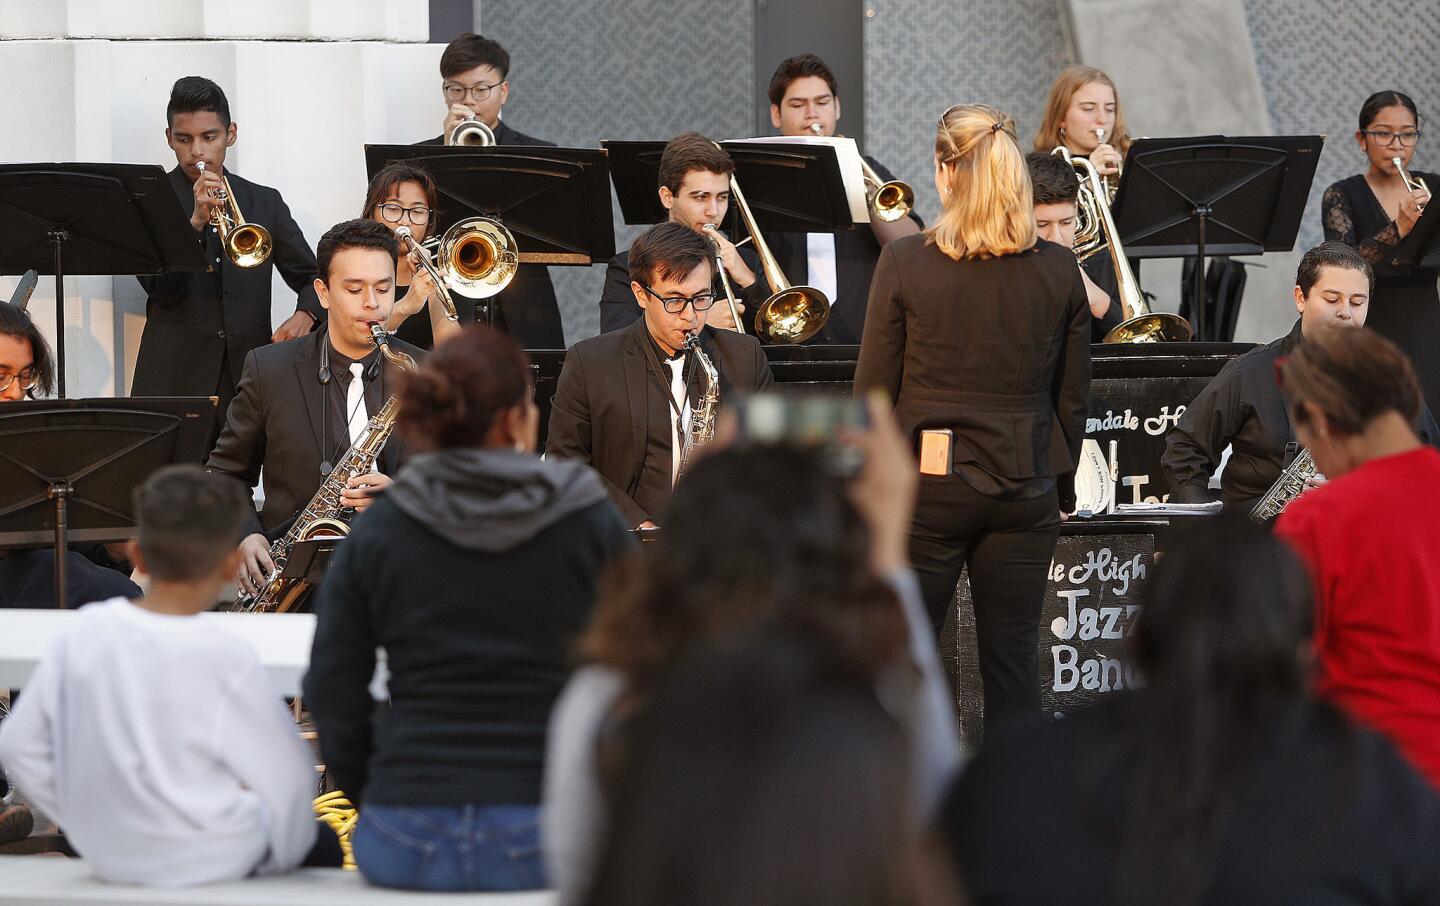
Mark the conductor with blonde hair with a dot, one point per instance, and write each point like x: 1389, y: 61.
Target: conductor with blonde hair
x: 980, y: 331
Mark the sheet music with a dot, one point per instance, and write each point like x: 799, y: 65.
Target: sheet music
x: 847, y: 154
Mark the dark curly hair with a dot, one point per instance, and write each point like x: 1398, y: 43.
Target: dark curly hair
x: 753, y: 536
x: 16, y: 322
x: 452, y: 399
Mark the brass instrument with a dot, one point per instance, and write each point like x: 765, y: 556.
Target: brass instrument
x: 1111, y: 180
x: 478, y: 258
x: 725, y: 281
x: 1291, y: 483
x: 471, y: 133
x: 324, y: 516
x: 245, y: 244
x: 793, y: 314
x: 889, y: 200
x: 1095, y: 229
x: 419, y: 254
x: 700, y: 430
x: 1412, y: 183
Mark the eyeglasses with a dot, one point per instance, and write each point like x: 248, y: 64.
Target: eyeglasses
x: 394, y: 213
x: 1386, y: 137
x: 700, y: 301
x: 27, y: 378
x: 456, y: 93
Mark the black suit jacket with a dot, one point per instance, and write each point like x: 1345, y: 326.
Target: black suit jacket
x: 193, y: 321
x: 619, y: 310
x: 527, y: 308
x: 600, y: 413
x: 856, y: 251
x: 276, y: 422
x: 997, y: 350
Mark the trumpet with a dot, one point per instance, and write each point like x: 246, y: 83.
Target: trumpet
x: 245, y: 244
x: 889, y: 200
x: 471, y: 133
x: 725, y: 280
x: 793, y: 314
x: 1094, y: 230
x: 478, y: 258
x: 1412, y: 183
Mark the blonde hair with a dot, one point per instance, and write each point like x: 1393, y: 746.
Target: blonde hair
x: 988, y: 211
x: 1062, y: 91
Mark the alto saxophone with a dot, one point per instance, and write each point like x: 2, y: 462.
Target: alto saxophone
x: 324, y: 515
x: 701, y: 428
x: 1287, y: 487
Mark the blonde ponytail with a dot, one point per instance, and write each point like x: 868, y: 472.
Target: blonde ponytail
x: 987, y: 206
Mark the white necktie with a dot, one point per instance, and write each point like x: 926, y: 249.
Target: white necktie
x: 355, y: 401
x: 679, y: 392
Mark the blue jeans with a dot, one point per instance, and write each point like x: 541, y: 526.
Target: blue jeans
x: 462, y: 847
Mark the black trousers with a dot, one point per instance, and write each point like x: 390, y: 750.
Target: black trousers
x: 1007, y: 546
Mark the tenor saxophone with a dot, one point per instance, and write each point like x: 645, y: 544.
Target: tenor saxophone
x: 324, y: 515
x: 700, y: 430
x: 1287, y: 487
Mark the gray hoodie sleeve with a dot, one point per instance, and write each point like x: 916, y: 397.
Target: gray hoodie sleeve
x: 573, y: 817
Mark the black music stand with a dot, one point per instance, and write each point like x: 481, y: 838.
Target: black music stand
x: 68, y: 467
x: 308, y: 560
x: 556, y: 201
x: 1421, y: 246
x: 1183, y: 197
x: 88, y: 219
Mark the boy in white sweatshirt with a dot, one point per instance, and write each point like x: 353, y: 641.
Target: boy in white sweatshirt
x: 152, y: 736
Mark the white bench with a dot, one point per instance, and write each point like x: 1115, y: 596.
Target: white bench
x: 49, y: 879
x: 282, y: 640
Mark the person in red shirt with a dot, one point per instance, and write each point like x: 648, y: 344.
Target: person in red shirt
x: 1370, y: 535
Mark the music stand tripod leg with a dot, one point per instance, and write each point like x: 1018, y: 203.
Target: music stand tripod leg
x: 60, y: 493
x: 1202, y: 213
x: 57, y: 240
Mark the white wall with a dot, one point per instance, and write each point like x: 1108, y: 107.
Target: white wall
x: 304, y: 111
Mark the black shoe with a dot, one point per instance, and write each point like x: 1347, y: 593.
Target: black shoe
x: 16, y: 823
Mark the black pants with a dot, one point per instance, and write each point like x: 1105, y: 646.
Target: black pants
x: 1007, y: 546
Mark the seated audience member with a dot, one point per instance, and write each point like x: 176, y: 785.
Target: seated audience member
x: 1370, y: 536
x: 475, y: 572
x: 1220, y: 781
x: 27, y: 577
x: 1056, y: 189
x: 755, y: 535
x: 153, y: 736
x: 764, y: 771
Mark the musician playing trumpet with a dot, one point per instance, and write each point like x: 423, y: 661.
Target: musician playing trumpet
x: 1374, y: 211
x: 199, y: 327
x: 1242, y: 408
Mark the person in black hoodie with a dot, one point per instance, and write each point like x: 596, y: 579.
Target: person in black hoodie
x: 473, y: 571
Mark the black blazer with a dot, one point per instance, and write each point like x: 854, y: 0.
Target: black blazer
x: 193, y: 320
x: 600, y: 413
x: 856, y: 251
x: 276, y: 421
x: 617, y: 302
x: 527, y: 308
x: 997, y: 350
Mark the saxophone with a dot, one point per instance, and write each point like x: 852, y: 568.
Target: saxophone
x: 701, y: 428
x: 324, y: 516
x: 1287, y: 487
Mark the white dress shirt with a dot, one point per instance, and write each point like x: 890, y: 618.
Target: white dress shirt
x: 820, y: 259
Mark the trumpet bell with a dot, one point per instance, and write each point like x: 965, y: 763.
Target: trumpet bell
x: 478, y: 257
x: 893, y: 200
x: 793, y: 315
x: 248, y: 245
x: 1151, y: 327
x: 472, y: 134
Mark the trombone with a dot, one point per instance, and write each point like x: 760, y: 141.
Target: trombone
x: 245, y: 244
x: 889, y: 200
x: 725, y: 280
x: 1412, y: 183
x: 793, y: 314
x: 471, y: 133
x: 1094, y: 229
x: 478, y: 258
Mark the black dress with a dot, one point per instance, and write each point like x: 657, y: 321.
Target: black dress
x: 1404, y: 307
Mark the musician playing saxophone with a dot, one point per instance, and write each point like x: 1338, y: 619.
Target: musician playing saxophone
x: 301, y: 403
x: 625, y: 399
x: 1242, y: 408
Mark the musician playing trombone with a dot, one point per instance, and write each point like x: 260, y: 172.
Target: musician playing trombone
x: 200, y: 326
x: 695, y: 192
x: 1242, y: 408
x: 805, y: 100
x: 403, y: 194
